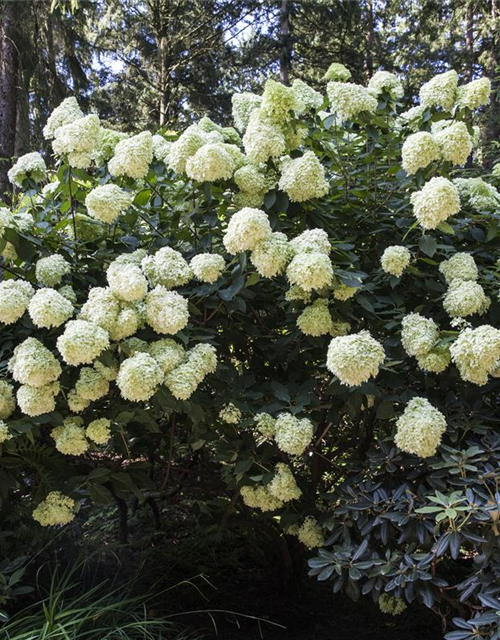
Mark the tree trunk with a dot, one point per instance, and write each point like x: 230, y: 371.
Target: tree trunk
x: 469, y: 43
x: 162, y: 50
x: 9, y: 65
x: 369, y: 38
x: 493, y: 127
x: 286, y: 42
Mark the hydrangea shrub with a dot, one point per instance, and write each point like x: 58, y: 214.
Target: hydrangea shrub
x: 308, y: 300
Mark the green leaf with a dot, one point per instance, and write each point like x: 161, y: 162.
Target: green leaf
x: 428, y: 245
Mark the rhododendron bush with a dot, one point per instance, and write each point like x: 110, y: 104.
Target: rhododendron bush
x: 308, y: 301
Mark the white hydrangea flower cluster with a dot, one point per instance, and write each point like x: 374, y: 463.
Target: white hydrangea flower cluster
x: 354, y: 359
x: 436, y: 360
x: 186, y: 378
x: 271, y: 256
x: 56, y: 509
x: 454, y: 142
x: 51, y: 270
x: 315, y: 320
x: 99, y: 431
x: 33, y: 364
x: 108, y: 139
x: 253, y: 184
x: 265, y: 423
x: 77, y: 140
x: 305, y: 96
x: 420, y: 428
x: 279, y: 102
x: 303, y: 178
x: 66, y: 113
x: 230, y: 414
x: 293, y: 435
x: 391, y: 605
x: 139, y: 377
x: 465, y: 298
x: 107, y: 201
x: 48, y: 309
x: 418, y: 334
x: 348, y: 100
x: 475, y: 94
x: 127, y: 282
x: 92, y: 384
x: 385, y: 81
x: 15, y: 296
x: 461, y: 266
x: 31, y: 165
x: 283, y: 486
x: 70, y: 439
x: 132, y: 156
x: 476, y: 353
x: 213, y: 161
x: 263, y: 138
x: 35, y: 401
x: 311, y: 534
x: 242, y: 106
x: 435, y: 202
x: 167, y: 267
x: 259, y: 497
x: 480, y: 195
x: 343, y: 292
x: 166, y: 311
x: 7, y: 400
x: 188, y: 143
x: 337, y: 72
x: 395, y: 260
x: 246, y: 229
x: 310, y: 271
x: 103, y: 308
x: 207, y: 267
x: 440, y: 91
x: 312, y: 241
x: 5, y: 434
x: 419, y: 150
x: 167, y: 353
x: 82, y: 342
x: 161, y: 148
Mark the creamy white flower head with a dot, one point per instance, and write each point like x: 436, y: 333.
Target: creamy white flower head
x: 128, y: 321
x: 395, y: 259
x: 166, y: 311
x: 306, y: 97
x: 68, y: 292
x: 283, y: 486
x: 455, y: 143
x: 475, y: 94
x: 293, y: 435
x: 139, y: 377
x: 68, y: 111
x: 229, y: 134
x: 348, y: 100
x: 7, y: 400
x: 259, y: 498
x: 5, y: 434
x: 34, y: 364
x: 102, y: 308
x: 385, y: 81
x: 15, y: 296
x: 312, y: 240
x: 419, y: 150
x: 436, y: 360
x: 207, y: 267
x: 354, y: 359
x: 344, y: 292
x: 465, y: 298
x: 127, y: 282
x: 476, y: 353
x: 31, y: 165
x: 480, y: 195
x: 390, y: 604
x: 167, y: 267
x: 70, y: 439
x: 91, y: 384
x: 186, y: 146
x: 167, y: 353
x: 278, y: 102
x: 51, y: 270
x: 56, y: 509
x: 82, y: 342
x: 242, y: 106
x: 412, y: 118
x: 339, y: 328
x: 107, y: 201
x: 5, y: 220
x: 246, y: 229
x: 311, y: 534
x: 210, y: 163
x: 266, y: 425
x: 185, y: 379
x: 48, y: 308
x: 108, y: 139
x: 435, y: 202
x: 315, y: 320
x: 303, y: 178
x: 263, y: 139
x: 297, y: 293
x: 460, y: 266
x: 310, y: 271
x: 161, y: 148
x: 75, y: 403
x: 441, y: 91
x: 132, y: 156
x: 250, y: 179
x: 418, y: 334
x: 78, y: 139
x: 270, y: 257
x: 420, y: 428
x: 35, y: 401
x: 230, y: 414
x: 99, y: 431
x: 337, y: 72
